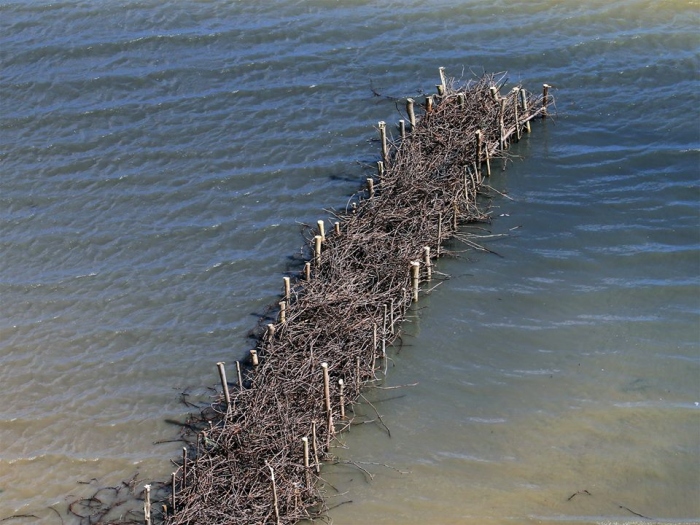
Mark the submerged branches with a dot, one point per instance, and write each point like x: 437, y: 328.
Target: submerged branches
x: 254, y: 455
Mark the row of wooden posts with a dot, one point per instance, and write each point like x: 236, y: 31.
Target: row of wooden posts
x: 520, y: 104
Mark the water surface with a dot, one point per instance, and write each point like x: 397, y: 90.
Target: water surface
x: 158, y: 157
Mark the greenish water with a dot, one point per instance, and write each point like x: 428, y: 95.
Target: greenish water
x: 157, y: 157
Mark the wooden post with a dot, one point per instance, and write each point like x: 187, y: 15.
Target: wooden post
x: 380, y: 169
x: 283, y: 311
x: 172, y: 484
x: 374, y: 346
x: 516, y: 105
x: 428, y: 104
x: 317, y: 463
x: 254, y: 357
x: 443, y: 81
x: 370, y: 187
x: 287, y: 288
x: 184, y: 466
x: 428, y: 265
x: 326, y: 387
x: 488, y: 161
x: 494, y: 93
x: 305, y: 440
x: 341, y: 383
x: 147, y: 505
x: 440, y: 90
x: 461, y: 100
x: 545, y: 96
x: 321, y: 230
x: 391, y: 318
x: 386, y: 364
x: 466, y: 183
x: 317, y: 250
x: 307, y: 271
x: 415, y: 276
x: 478, y: 149
x: 501, y: 122
x: 382, y: 136
x: 402, y: 129
x: 274, y: 493
x: 455, y: 216
x: 523, y: 102
x: 240, y: 376
x: 411, y: 112
x: 337, y: 228
x: 439, y: 237
x: 224, y: 384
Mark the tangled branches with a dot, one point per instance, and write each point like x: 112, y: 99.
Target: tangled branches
x: 256, y: 452
x: 254, y: 455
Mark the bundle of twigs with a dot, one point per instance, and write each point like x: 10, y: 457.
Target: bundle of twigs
x: 254, y: 455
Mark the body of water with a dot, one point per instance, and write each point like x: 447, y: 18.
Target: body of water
x: 156, y: 159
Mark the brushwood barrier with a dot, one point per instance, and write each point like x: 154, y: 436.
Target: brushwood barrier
x: 255, y: 454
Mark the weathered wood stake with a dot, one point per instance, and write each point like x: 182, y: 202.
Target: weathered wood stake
x: 382, y: 136
x: 415, y: 276
x: 321, y: 230
x: 173, y: 486
x: 386, y: 315
x: 478, y: 148
x: 240, y: 376
x: 274, y: 493
x: 147, y: 504
x: 307, y: 271
x: 287, y: 288
x: 341, y: 383
x: 374, y: 346
x: 370, y: 187
x: 501, y: 123
x: 391, y: 317
x: 427, y: 262
x: 461, y: 100
x: 254, y: 357
x: 380, y: 169
x: 443, y: 80
x: 336, y: 225
x: 428, y: 104
x: 488, y: 161
x: 224, y: 383
x: 283, y: 311
x: 516, y: 105
x: 411, y: 112
x: 523, y: 98
x: 317, y: 463
x: 317, y: 250
x: 305, y: 440
x: 326, y: 387
x: 184, y: 466
x: 402, y: 129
